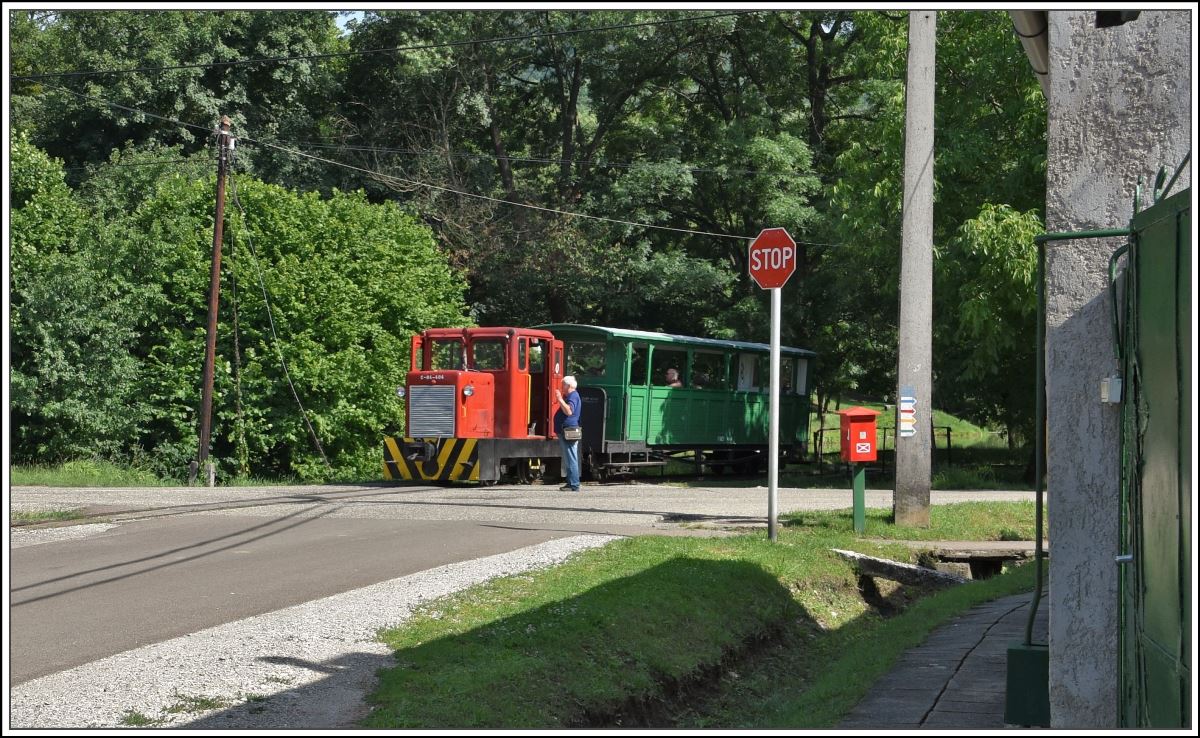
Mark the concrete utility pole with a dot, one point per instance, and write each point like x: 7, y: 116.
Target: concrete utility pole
x: 214, y: 291
x: 914, y: 431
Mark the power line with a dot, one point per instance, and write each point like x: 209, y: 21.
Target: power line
x: 312, y: 434
x: 126, y: 108
x: 339, y: 54
x: 130, y: 164
x: 383, y: 176
x: 536, y: 160
x: 453, y: 191
x: 401, y: 179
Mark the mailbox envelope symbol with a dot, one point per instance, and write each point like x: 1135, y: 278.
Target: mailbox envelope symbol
x: 862, y: 448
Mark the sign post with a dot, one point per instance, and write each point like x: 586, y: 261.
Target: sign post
x: 860, y: 497
x: 772, y: 261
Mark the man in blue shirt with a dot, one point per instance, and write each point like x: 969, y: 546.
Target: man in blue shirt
x: 569, y: 407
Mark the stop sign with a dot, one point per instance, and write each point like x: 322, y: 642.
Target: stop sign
x: 772, y: 258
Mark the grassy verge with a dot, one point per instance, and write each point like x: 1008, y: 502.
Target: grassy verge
x: 30, y: 517
x: 964, y: 521
x: 83, y: 474
x: 812, y: 680
x: 689, y: 632
x: 833, y: 475
x: 105, y: 474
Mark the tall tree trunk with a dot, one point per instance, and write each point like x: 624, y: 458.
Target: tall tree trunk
x: 569, y: 117
x: 502, y: 161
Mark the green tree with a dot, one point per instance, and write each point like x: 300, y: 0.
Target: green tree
x: 537, y: 122
x: 993, y: 368
x: 348, y: 282
x: 71, y: 324
x: 276, y: 100
x: 990, y: 152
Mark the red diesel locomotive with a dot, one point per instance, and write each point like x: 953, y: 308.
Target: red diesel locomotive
x: 480, y: 405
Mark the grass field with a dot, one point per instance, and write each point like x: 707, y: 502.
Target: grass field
x: 680, y: 632
x: 84, y: 473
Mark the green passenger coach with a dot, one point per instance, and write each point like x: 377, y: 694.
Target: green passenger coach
x: 716, y: 404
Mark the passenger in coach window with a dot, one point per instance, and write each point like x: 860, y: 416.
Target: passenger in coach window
x: 673, y: 378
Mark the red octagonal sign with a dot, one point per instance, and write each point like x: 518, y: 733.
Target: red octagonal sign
x: 772, y: 258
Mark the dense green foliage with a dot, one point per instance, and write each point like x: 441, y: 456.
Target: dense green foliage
x: 697, y: 126
x: 109, y: 314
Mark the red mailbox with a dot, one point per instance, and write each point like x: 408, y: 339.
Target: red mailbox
x: 858, y: 433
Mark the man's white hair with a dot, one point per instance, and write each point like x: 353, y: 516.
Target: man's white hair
x: 570, y: 381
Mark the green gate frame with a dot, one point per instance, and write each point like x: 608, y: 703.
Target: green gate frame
x: 1154, y: 626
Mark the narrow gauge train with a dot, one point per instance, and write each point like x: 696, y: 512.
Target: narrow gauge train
x: 480, y: 402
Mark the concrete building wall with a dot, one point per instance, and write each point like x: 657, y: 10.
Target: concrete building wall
x: 1119, y: 107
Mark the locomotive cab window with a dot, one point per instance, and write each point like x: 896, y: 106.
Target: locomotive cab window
x: 489, y: 354
x: 585, y: 359
x: 447, y: 354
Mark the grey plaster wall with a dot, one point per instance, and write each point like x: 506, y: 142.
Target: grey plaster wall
x: 1119, y: 107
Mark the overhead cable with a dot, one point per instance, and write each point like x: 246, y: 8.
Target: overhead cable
x: 416, y: 183
x: 497, y: 200
x: 533, y: 159
x: 339, y: 54
x: 312, y: 434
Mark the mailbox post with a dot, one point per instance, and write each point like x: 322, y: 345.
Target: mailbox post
x: 858, y: 445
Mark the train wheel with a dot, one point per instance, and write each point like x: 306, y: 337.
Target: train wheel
x: 530, y: 471
x: 597, y: 467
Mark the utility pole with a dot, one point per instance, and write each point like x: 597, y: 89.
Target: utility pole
x: 910, y: 504
x: 224, y: 147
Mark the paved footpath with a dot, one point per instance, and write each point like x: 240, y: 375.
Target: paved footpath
x: 956, y: 678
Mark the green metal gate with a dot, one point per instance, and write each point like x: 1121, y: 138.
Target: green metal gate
x: 1155, y: 579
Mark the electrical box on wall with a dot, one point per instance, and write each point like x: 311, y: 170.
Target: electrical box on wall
x: 1110, y: 390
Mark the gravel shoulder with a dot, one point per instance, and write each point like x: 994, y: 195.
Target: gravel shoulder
x: 307, y: 666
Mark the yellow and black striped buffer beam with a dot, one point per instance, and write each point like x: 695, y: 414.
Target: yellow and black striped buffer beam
x: 455, y: 459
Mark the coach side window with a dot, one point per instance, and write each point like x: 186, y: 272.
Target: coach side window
x: 708, y: 370
x: 669, y: 366
x: 585, y: 359
x: 638, y: 365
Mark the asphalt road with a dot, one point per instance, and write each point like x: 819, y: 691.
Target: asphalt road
x: 175, y: 561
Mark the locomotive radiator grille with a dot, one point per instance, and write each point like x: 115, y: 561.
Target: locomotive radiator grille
x: 431, y: 411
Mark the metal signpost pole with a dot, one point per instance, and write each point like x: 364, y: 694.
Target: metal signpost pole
x: 858, y: 472
x: 772, y: 260
x: 773, y: 442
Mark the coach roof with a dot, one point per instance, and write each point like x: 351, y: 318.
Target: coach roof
x: 574, y: 329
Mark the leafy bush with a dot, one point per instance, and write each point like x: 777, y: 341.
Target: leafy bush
x: 110, y: 312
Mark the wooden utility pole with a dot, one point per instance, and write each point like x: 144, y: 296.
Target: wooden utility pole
x: 224, y: 147
x: 910, y: 504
